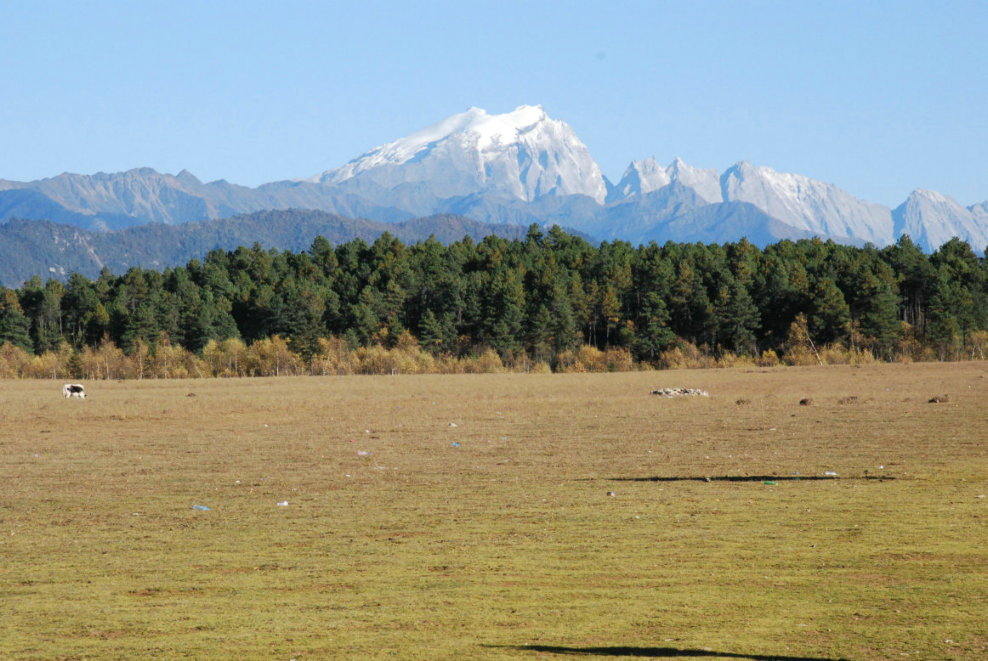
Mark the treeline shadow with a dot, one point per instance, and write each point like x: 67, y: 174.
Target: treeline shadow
x: 656, y: 652
x: 746, y: 478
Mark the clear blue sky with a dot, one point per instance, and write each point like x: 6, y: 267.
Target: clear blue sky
x: 878, y: 98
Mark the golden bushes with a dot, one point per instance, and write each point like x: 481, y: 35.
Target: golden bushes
x: 274, y: 357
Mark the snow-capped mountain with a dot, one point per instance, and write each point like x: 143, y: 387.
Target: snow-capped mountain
x: 814, y: 206
x: 641, y: 178
x: 644, y: 177
x: 800, y: 206
x: 931, y: 219
x: 518, y: 167
x: 522, y: 155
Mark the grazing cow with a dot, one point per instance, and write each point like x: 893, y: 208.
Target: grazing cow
x: 74, y: 390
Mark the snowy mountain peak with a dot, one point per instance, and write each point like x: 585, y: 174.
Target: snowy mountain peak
x: 931, y: 219
x: 706, y: 183
x: 931, y: 197
x: 642, y: 177
x: 523, y: 154
x: 807, y: 204
x: 485, y: 128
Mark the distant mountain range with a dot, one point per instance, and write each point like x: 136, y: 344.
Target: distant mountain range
x: 512, y: 169
x: 47, y: 249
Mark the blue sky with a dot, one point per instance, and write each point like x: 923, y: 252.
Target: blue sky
x: 878, y: 98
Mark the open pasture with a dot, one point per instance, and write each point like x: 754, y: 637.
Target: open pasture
x: 472, y: 517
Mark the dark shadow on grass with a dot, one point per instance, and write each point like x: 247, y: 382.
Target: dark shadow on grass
x: 655, y: 653
x: 747, y: 478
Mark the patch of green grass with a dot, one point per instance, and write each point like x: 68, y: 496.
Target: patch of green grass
x: 395, y: 543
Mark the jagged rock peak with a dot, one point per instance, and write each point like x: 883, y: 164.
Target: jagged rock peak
x: 643, y: 177
x: 646, y: 176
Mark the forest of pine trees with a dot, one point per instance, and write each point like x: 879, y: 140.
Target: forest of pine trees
x: 550, y: 301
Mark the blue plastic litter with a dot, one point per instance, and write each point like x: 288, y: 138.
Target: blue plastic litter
x: 200, y: 507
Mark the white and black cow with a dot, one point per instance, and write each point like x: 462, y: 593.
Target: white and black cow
x: 74, y: 390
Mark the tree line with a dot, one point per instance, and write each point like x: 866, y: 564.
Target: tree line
x: 537, y: 301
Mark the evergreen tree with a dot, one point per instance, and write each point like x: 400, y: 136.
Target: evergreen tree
x: 653, y: 334
x: 914, y: 275
x: 829, y: 315
x: 15, y: 328
x: 504, y: 312
x: 737, y: 317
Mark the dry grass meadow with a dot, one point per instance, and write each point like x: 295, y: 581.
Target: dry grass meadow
x: 407, y: 537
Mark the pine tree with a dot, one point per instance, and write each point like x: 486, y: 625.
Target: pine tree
x: 15, y: 328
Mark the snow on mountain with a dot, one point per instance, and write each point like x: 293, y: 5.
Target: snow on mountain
x: 518, y: 167
x: 980, y: 212
x: 647, y: 176
x: 798, y: 203
x: 931, y: 219
x: 705, y: 182
x: 641, y: 178
x: 808, y: 204
x: 523, y: 154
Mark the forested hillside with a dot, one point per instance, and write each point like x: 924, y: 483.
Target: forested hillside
x: 537, y: 301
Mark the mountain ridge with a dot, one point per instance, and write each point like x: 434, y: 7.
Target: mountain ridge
x: 518, y: 167
x: 48, y: 249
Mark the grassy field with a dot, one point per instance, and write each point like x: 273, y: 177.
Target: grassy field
x: 499, y: 516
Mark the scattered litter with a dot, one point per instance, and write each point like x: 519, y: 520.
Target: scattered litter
x: 830, y: 473
x: 136, y: 514
x: 200, y: 507
x: 363, y: 453
x: 771, y: 483
x: 806, y: 401
x: 611, y: 493
x: 367, y: 431
x: 455, y: 444
x: 981, y: 496
x: 452, y: 424
x: 36, y: 454
x: 265, y: 426
x: 283, y: 503
x: 681, y: 392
